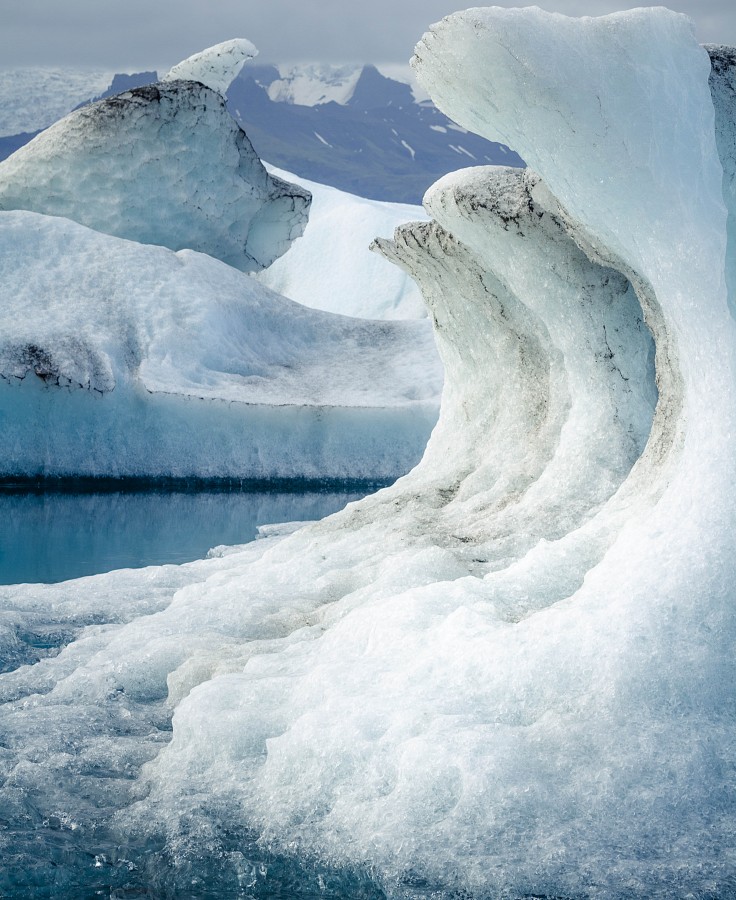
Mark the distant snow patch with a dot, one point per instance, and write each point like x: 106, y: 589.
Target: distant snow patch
x: 314, y: 84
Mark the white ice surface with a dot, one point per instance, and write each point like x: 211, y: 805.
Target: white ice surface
x: 311, y: 84
x: 216, y: 67
x: 331, y: 267
x: 510, y: 674
x: 118, y: 358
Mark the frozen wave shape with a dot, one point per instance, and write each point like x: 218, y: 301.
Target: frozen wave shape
x: 544, y: 708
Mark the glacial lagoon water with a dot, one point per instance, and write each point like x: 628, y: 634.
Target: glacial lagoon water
x: 50, y: 535
x: 71, y: 530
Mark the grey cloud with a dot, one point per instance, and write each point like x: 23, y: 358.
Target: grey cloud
x: 141, y: 34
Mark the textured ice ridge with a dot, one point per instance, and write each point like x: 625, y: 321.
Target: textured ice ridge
x: 162, y: 164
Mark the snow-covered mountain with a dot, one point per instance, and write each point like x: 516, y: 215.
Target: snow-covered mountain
x: 355, y: 128
x: 311, y: 84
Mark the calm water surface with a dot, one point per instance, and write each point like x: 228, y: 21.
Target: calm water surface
x: 58, y: 835
x: 54, y: 535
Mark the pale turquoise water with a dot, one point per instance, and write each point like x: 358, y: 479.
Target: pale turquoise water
x: 77, y: 853
x: 55, y: 535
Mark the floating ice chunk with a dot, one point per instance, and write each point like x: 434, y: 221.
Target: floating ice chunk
x: 216, y: 67
x: 162, y: 164
x: 123, y: 359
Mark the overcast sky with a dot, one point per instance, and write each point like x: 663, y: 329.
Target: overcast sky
x: 135, y: 34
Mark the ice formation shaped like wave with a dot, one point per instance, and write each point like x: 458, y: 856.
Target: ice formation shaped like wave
x: 119, y: 359
x: 510, y: 674
x: 128, y: 166
x: 216, y: 67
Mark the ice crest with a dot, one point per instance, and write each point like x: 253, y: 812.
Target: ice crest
x: 216, y: 67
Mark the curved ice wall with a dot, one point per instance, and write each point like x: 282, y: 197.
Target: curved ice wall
x: 510, y: 674
x: 526, y: 658
x: 163, y: 164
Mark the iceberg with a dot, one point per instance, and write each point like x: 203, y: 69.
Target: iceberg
x: 124, y: 360
x: 127, y: 166
x: 511, y: 673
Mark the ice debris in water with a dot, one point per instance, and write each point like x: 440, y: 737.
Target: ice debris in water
x: 161, y: 164
x: 216, y: 67
x: 511, y: 673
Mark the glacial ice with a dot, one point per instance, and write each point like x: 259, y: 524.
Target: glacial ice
x: 216, y: 67
x: 330, y: 266
x: 511, y: 673
x: 128, y: 166
x: 121, y: 359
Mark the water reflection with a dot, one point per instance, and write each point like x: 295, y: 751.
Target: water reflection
x: 66, y: 532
